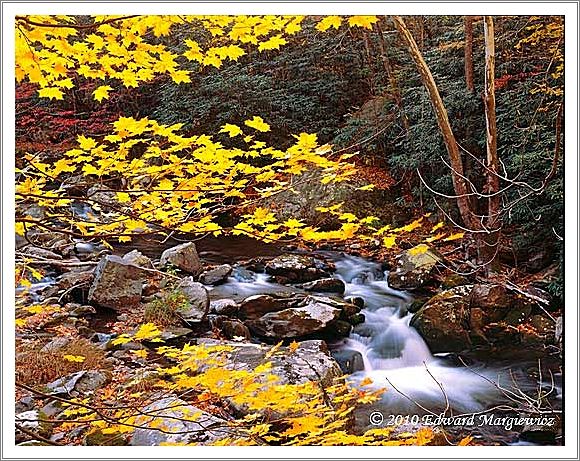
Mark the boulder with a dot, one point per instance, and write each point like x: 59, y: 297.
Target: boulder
x: 310, y: 361
x: 227, y: 307
x: 216, y: 275
x: 82, y: 382
x: 291, y: 268
x: 197, y: 300
x: 184, y: 257
x: 32, y: 420
x: 326, y: 285
x: 443, y: 321
x: 350, y: 361
x: 137, y: 258
x: 414, y: 268
x: 495, y: 300
x: 295, y: 322
x: 117, y: 284
x: 230, y: 328
x: 182, y: 424
x: 255, y: 306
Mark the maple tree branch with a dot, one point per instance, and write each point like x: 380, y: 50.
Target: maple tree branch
x: 25, y: 19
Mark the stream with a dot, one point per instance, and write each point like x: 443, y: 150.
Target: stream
x: 397, y: 358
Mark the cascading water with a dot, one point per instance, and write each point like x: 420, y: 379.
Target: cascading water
x: 395, y: 356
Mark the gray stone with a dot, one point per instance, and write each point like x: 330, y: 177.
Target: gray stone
x: 137, y: 258
x: 216, y: 275
x: 32, y: 420
x: 227, y: 307
x: 170, y: 333
x: 443, y: 321
x: 183, y: 257
x: 182, y: 423
x: 413, y: 269
x: 295, y: 322
x: 117, y: 285
x: 326, y: 285
x: 55, y: 344
x: 297, y: 268
x: 350, y: 361
x: 82, y: 382
x: 197, y: 300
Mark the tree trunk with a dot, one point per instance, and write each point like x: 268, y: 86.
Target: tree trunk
x: 492, y: 178
x: 459, y: 183
x: 468, y: 25
x: 392, y: 81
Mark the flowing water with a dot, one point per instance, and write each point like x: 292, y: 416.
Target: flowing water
x: 397, y: 358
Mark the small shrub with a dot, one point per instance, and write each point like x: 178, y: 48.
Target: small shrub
x: 165, y: 311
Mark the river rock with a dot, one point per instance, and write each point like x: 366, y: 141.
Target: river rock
x: 255, y: 306
x: 137, y: 258
x: 230, y: 328
x: 310, y: 361
x: 495, y: 300
x: 198, y: 300
x: 216, y: 275
x: 184, y: 257
x: 182, y: 424
x: 443, y: 321
x: 227, y: 307
x: 414, y: 268
x: 291, y: 268
x: 295, y: 322
x: 82, y: 382
x: 32, y: 420
x: 356, y: 300
x: 326, y: 285
x: 41, y: 253
x: 117, y: 285
x: 350, y: 361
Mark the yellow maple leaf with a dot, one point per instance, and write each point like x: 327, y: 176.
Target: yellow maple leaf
x: 86, y: 143
x: 258, y: 124
x: 437, y: 226
x: 273, y: 43
x: 142, y: 353
x: 51, y: 92
x: 74, y: 358
x: 102, y: 92
x: 389, y: 241
x: 180, y: 76
x: 362, y: 21
x: 419, y: 249
x: 231, y: 130
x: 62, y: 165
x: 457, y: 236
x: 293, y: 346
x: 328, y: 22
x: 147, y: 331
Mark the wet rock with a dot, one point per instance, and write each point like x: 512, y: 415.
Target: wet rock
x: 495, y: 300
x: 478, y: 322
x: 197, y: 301
x: 349, y: 361
x: 216, y: 275
x: 518, y: 315
x: 137, y: 258
x: 293, y: 268
x: 327, y: 285
x: 417, y: 304
x: 310, y: 361
x: 339, y: 329
x: 169, y: 333
x: 32, y: 420
x: 117, y: 285
x: 56, y: 344
x: 82, y: 382
x: 184, y: 257
x: 414, y: 268
x: 24, y: 404
x: 241, y: 274
x: 443, y: 321
x: 295, y: 322
x: 255, y: 306
x: 227, y: 307
x: 182, y: 423
x: 356, y: 319
x: 543, y: 325
x: 356, y: 300
x: 453, y: 280
x: 230, y: 328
